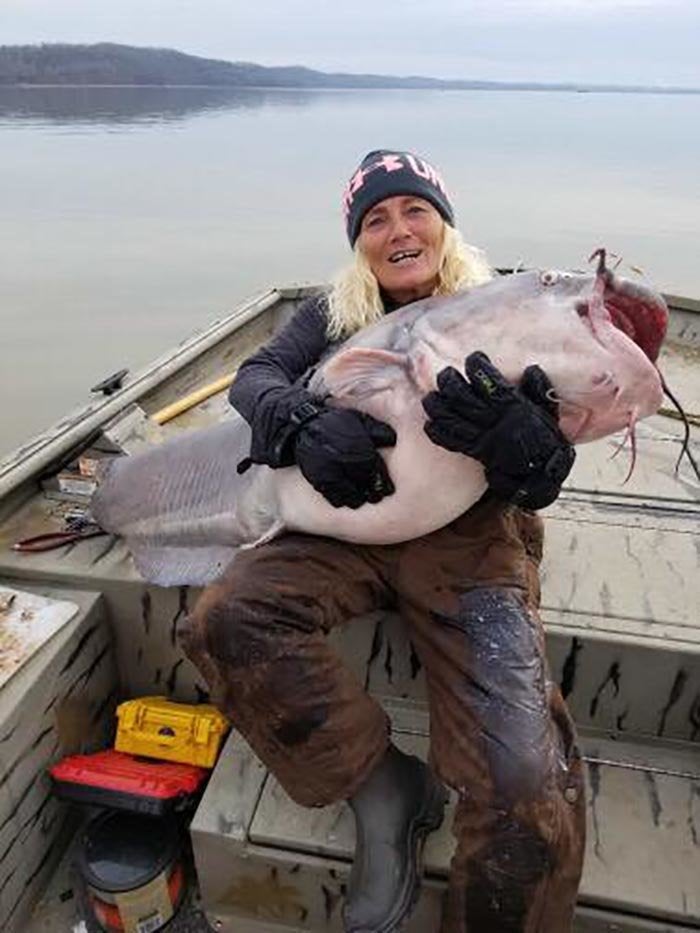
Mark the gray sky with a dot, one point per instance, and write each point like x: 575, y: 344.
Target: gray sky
x: 625, y: 41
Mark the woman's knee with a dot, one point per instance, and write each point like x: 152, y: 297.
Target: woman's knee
x: 228, y: 628
x: 244, y: 620
x: 508, y: 777
x: 496, y: 696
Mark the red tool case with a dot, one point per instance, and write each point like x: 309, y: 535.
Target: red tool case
x: 125, y: 782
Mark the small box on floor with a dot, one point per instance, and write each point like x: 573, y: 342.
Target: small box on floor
x: 123, y: 782
x: 159, y: 728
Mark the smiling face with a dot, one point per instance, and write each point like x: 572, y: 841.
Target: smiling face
x: 401, y: 238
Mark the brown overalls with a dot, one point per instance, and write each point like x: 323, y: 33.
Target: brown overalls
x: 500, y: 733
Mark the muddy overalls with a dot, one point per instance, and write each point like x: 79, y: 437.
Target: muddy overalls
x: 500, y: 733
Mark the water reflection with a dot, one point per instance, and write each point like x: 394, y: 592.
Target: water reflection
x: 102, y: 106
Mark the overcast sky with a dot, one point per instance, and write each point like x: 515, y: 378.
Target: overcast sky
x: 635, y: 41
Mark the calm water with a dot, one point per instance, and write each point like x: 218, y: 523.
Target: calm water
x: 130, y: 217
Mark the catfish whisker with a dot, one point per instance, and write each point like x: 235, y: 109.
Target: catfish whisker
x: 633, y: 446
x: 631, y: 436
x: 620, y: 445
x: 685, y: 445
x: 553, y: 397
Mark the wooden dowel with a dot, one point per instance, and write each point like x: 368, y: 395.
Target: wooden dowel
x: 194, y: 398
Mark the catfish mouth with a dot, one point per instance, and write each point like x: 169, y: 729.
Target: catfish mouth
x: 631, y: 307
x: 638, y: 313
x: 643, y: 315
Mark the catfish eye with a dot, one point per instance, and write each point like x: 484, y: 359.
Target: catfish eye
x: 549, y: 278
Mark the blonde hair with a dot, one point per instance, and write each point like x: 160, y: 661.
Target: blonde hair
x: 355, y: 301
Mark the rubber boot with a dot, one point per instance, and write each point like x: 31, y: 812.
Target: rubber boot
x: 395, y: 809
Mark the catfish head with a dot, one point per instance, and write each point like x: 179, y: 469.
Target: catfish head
x: 596, y: 336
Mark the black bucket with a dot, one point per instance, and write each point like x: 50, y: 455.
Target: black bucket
x: 133, y: 870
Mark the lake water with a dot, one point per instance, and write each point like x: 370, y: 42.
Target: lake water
x: 131, y: 217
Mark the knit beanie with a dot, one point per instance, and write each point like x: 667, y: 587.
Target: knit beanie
x: 384, y: 173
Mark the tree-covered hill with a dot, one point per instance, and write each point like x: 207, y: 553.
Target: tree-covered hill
x: 109, y: 64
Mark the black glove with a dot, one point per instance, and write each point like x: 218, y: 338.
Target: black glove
x: 512, y: 430
x: 337, y: 453
x: 276, y: 421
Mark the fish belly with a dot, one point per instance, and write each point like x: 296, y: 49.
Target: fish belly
x: 419, y: 506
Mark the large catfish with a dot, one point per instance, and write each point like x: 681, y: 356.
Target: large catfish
x: 184, y: 510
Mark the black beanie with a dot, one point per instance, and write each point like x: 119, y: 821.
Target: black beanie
x: 384, y: 173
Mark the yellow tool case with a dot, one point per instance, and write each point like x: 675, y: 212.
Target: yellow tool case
x: 158, y: 728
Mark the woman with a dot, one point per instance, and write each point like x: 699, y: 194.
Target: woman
x: 500, y: 733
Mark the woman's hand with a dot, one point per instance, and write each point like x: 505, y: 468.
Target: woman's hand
x: 512, y: 430
x: 337, y: 452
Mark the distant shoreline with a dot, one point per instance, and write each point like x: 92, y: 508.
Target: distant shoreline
x: 110, y: 65
x: 537, y: 89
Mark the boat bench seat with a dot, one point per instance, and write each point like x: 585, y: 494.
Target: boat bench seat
x: 262, y: 857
